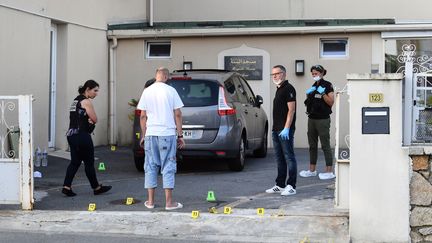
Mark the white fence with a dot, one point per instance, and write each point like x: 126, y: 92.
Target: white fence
x: 16, y: 151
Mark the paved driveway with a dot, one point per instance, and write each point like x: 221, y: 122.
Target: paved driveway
x: 194, y: 179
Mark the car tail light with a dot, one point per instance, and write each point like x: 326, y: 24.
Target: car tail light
x: 137, y: 112
x: 223, y: 108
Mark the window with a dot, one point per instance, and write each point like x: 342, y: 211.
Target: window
x: 334, y: 48
x: 158, y: 49
x: 197, y: 92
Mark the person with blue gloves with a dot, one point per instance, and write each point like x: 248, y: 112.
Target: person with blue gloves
x: 320, y: 99
x: 284, y: 117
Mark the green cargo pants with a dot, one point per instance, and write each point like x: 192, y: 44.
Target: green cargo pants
x: 319, y: 128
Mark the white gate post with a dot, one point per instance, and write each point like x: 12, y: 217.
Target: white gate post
x: 25, y: 150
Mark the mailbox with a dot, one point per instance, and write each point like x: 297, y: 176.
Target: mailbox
x: 375, y: 120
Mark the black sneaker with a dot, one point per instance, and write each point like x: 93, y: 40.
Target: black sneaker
x: 68, y: 192
x: 102, y: 189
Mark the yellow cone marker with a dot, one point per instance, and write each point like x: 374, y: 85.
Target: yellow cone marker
x: 129, y: 201
x: 113, y: 148
x: 195, y: 214
x: 92, y: 207
x: 260, y: 211
x: 211, y: 196
x: 101, y: 166
x: 227, y: 210
x: 213, y: 210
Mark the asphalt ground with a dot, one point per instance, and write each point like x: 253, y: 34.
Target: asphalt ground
x: 194, y: 179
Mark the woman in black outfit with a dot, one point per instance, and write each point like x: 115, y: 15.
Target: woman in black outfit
x: 82, y: 118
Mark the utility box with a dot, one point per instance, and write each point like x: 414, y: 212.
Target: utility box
x: 375, y: 120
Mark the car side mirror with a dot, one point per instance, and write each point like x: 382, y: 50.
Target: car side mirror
x: 259, y: 100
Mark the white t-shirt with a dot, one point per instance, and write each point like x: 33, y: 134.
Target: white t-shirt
x: 159, y: 101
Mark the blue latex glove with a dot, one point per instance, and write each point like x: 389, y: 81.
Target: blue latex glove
x: 284, y: 134
x: 321, y: 89
x: 310, y: 90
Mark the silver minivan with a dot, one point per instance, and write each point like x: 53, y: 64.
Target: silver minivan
x: 222, y: 118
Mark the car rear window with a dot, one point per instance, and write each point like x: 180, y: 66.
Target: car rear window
x: 196, y: 92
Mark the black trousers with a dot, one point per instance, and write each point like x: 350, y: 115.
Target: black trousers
x: 81, y: 149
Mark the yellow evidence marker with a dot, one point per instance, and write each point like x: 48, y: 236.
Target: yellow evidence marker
x: 213, y: 210
x: 92, y: 207
x: 137, y: 135
x: 129, y: 201
x: 195, y: 214
x: 113, y: 148
x: 260, y: 211
x: 227, y: 210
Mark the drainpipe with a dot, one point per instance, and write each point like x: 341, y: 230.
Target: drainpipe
x: 112, y: 94
x: 151, y: 13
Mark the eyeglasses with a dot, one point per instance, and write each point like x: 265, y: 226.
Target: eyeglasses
x: 274, y: 74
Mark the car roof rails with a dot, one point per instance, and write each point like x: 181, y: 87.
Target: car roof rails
x: 201, y: 70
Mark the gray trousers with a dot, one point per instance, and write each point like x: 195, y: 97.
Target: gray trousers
x: 319, y: 128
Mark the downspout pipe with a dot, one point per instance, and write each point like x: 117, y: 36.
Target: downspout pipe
x: 112, y: 94
x: 151, y: 13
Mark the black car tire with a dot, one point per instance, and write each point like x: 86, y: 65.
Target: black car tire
x: 139, y: 163
x: 237, y: 164
x: 262, y: 151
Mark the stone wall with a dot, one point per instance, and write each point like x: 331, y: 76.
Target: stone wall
x: 421, y: 198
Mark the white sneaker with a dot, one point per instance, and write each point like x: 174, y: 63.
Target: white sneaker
x: 288, y: 191
x: 307, y: 173
x: 326, y: 176
x: 275, y: 189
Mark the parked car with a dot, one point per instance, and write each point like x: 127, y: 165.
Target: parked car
x: 222, y: 118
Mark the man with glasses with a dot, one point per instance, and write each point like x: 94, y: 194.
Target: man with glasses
x: 284, y: 108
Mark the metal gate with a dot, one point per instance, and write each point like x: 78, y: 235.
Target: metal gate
x: 16, y: 146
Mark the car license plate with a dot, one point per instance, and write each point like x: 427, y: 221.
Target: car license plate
x: 192, y: 134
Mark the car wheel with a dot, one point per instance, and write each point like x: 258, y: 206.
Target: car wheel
x: 237, y: 164
x: 139, y: 163
x: 262, y: 151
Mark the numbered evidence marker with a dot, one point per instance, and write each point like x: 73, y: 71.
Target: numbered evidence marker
x: 101, y: 166
x: 195, y: 214
x: 92, y: 207
x: 227, y: 210
x: 211, y: 196
x: 113, y: 148
x: 129, y: 201
x: 260, y: 211
x: 213, y: 210
x: 137, y: 135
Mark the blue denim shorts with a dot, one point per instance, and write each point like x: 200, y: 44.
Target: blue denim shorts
x: 160, y: 152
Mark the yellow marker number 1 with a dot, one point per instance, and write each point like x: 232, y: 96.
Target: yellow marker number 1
x: 137, y: 135
x: 260, y: 211
x: 195, y: 214
x: 227, y: 210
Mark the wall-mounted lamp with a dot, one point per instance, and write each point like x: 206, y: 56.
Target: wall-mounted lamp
x: 187, y: 65
x: 299, y: 67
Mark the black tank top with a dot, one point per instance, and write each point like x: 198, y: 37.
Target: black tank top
x: 78, y: 118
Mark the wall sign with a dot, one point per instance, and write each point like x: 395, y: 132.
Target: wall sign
x: 376, y: 97
x: 251, y: 67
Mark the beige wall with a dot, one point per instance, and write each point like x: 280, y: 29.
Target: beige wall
x: 90, y: 13
x: 204, y: 10
x: 24, y: 62
x: 82, y: 55
x: 133, y: 69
